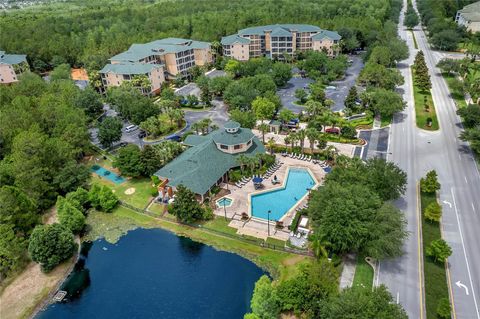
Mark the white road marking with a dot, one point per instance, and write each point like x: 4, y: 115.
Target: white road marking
x: 460, y: 285
x: 448, y: 203
x: 465, y: 252
x: 398, y: 297
x: 466, y: 181
x: 473, y: 207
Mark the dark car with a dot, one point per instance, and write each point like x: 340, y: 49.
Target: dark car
x: 142, y: 134
x: 174, y: 138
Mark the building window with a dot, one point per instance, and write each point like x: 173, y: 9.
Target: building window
x: 249, y: 142
x: 237, y: 147
x: 224, y: 147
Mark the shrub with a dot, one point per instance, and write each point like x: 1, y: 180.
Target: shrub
x: 154, y: 191
x: 439, y: 250
x: 235, y: 176
x: 79, y: 196
x: 69, y: 216
x: 155, y: 180
x: 207, y: 213
x: 295, y: 221
x: 433, y: 212
x: 50, y: 245
x: 102, y: 198
x: 430, y: 184
x: 444, y: 310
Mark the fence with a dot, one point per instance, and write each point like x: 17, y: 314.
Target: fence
x: 257, y: 242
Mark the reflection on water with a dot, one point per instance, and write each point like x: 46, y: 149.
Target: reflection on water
x: 155, y: 274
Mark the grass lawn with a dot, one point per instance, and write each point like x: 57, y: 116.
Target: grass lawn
x: 339, y: 139
x: 435, y: 275
x: 420, y: 113
x: 275, y: 242
x: 363, y: 274
x: 157, y: 209
x: 456, y: 95
x: 363, y: 123
x: 220, y: 224
x: 281, y: 265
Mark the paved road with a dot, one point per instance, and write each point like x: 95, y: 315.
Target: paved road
x: 460, y: 193
x: 402, y: 275
x: 417, y: 151
x: 377, y: 144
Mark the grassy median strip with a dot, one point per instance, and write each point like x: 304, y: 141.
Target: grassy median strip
x: 414, y: 39
x: 424, y: 108
x: 452, y: 83
x: 435, y: 275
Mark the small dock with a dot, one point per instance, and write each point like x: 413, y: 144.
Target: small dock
x: 59, y: 295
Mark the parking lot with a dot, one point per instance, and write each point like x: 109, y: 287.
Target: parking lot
x: 338, y: 95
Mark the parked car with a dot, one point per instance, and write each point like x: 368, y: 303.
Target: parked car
x: 131, y: 128
x: 330, y: 87
x: 332, y: 130
x: 142, y: 134
x: 175, y: 138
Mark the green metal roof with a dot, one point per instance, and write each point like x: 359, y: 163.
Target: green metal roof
x: 242, y: 136
x: 260, y: 30
x: 326, y: 34
x: 275, y: 122
x: 234, y: 38
x: 138, y: 51
x: 12, y: 58
x: 202, y: 165
x: 280, y: 32
x: 130, y: 68
x: 231, y: 124
x: 193, y: 140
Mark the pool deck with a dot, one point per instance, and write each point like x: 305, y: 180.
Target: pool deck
x: 258, y: 227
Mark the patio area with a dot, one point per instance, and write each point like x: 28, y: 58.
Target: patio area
x: 240, y: 204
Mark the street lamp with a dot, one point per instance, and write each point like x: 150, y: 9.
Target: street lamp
x: 268, y: 222
x: 224, y: 209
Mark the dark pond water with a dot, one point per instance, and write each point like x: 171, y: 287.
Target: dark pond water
x: 155, y: 274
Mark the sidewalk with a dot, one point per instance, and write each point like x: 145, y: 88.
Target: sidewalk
x: 348, y: 272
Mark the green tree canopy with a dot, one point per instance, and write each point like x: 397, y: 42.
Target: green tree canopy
x: 102, y: 198
x: 128, y: 161
x: 429, y: 183
x: 185, y: 207
x: 363, y: 304
x: 265, y: 302
x: 439, y: 250
x: 263, y: 108
x: 50, y: 245
x: 69, y: 215
x: 109, y: 131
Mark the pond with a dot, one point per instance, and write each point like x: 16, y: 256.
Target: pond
x: 151, y: 273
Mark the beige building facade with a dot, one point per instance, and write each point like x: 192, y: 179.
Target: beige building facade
x: 469, y: 17
x: 175, y: 57
x: 277, y: 41
x: 113, y: 75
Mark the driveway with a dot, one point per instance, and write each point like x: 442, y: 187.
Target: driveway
x: 377, y: 144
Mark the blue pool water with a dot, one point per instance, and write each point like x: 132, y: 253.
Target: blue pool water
x: 280, y: 201
x: 224, y: 202
x: 152, y: 273
x: 105, y: 173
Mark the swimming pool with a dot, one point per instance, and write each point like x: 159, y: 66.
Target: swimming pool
x: 105, y: 173
x: 280, y: 201
x: 224, y: 201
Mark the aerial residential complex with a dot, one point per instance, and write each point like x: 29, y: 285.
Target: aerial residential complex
x: 159, y: 60
x: 11, y: 66
x: 278, y: 39
x: 469, y: 17
x: 207, y: 162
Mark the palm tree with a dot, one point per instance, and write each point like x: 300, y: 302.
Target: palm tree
x: 314, y: 108
x: 264, y: 127
x: 205, y: 124
x: 319, y: 246
x: 196, y: 126
x: 214, y: 127
x: 252, y: 162
x: 293, y: 139
x: 331, y: 153
x: 301, y: 137
x: 271, y: 144
x: 242, y: 160
x: 177, y: 115
x: 312, y: 135
x: 287, y: 140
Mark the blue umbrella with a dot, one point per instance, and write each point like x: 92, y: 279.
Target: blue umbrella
x: 257, y: 180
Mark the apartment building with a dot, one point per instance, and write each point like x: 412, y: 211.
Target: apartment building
x: 11, y: 66
x: 115, y: 74
x: 469, y: 17
x: 174, y: 56
x: 274, y: 41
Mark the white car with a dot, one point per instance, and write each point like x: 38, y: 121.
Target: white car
x: 130, y: 128
x: 330, y: 87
